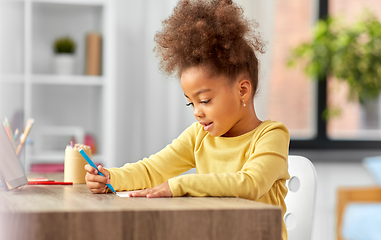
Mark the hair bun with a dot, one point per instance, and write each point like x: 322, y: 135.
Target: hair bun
x: 211, y: 33
x: 230, y: 2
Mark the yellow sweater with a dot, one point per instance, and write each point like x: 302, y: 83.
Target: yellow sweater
x: 252, y: 166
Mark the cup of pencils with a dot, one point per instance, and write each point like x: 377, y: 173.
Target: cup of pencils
x: 74, y: 169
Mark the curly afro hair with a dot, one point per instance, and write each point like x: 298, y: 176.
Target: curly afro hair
x: 211, y: 33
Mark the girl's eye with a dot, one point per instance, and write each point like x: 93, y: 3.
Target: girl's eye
x: 202, y: 102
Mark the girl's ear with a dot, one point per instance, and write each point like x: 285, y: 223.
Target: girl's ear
x: 244, y: 89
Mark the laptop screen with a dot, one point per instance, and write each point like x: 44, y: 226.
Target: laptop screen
x: 12, y: 174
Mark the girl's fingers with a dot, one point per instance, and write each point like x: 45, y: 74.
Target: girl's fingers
x: 97, y: 187
x: 96, y: 178
x: 98, y: 190
x: 141, y: 193
x: 103, y: 170
x: 90, y: 169
x: 158, y: 194
x: 161, y: 190
x: 93, y: 185
x: 96, y: 183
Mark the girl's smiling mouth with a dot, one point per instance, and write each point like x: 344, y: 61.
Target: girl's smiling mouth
x: 207, y: 126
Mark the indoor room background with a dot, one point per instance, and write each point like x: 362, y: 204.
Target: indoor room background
x: 131, y: 110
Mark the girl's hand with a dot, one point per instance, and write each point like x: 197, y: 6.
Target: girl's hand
x: 96, y: 183
x: 161, y: 190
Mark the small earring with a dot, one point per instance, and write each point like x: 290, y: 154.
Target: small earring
x: 244, y: 104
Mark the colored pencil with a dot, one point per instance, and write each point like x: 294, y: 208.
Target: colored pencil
x: 15, y: 134
x: 7, y: 130
x: 26, y: 132
x: 10, y: 130
x: 87, y: 158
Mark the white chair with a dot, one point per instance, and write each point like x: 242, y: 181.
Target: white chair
x: 300, y: 199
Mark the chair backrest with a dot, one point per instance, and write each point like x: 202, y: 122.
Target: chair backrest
x: 300, y: 199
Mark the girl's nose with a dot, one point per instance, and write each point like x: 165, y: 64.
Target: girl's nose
x: 197, y: 112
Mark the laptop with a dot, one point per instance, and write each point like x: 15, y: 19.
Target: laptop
x: 12, y: 174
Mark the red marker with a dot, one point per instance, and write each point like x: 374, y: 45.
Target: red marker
x: 49, y: 183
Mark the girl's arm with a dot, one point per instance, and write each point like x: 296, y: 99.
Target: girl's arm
x: 171, y: 161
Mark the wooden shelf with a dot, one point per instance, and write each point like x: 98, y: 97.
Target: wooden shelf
x: 51, y: 79
x: 58, y: 157
x: 43, y: 95
x: 67, y: 80
x: 12, y: 78
x: 73, y: 2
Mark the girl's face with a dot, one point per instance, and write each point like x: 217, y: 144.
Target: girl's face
x: 217, y: 104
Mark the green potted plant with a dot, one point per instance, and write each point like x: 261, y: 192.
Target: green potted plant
x: 348, y: 52
x: 64, y: 60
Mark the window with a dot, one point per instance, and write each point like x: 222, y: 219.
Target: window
x: 299, y: 102
x: 356, y: 121
x: 292, y: 99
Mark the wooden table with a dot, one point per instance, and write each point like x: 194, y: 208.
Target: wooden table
x: 73, y: 212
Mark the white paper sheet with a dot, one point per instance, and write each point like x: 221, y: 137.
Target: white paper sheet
x: 124, y: 194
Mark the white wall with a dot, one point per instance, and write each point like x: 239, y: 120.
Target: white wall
x: 151, y: 109
x: 262, y: 11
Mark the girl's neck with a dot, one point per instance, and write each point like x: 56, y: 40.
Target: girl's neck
x: 246, y: 123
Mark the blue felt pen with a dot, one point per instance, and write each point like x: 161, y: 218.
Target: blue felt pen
x: 84, y: 155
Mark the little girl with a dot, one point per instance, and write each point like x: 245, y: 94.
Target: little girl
x: 212, y: 48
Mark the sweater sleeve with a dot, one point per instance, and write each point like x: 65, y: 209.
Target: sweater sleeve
x: 171, y: 161
x: 265, y: 165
